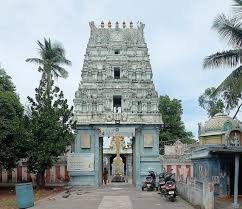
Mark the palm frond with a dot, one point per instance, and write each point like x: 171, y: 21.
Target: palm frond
x: 229, y: 28
x: 62, y: 61
x: 67, y: 62
x: 58, y: 47
x: 35, y: 60
x: 52, y: 57
x: 230, y: 58
x: 55, y: 74
x: 59, y: 71
x: 237, y: 8
x: 41, y: 46
x: 233, y: 83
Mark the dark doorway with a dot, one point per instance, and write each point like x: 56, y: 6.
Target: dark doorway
x: 231, y: 176
x: 117, y: 104
x: 117, y: 73
x: 101, y: 160
x: 116, y: 51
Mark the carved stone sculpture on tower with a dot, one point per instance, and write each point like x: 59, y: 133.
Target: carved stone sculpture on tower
x: 116, y: 64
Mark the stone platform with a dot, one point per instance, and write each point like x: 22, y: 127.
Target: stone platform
x: 118, y: 179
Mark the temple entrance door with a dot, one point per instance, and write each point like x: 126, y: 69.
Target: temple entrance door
x: 117, y: 158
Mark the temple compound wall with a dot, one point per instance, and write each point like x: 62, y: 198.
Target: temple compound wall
x: 55, y: 176
x: 177, y: 159
x: 116, y: 96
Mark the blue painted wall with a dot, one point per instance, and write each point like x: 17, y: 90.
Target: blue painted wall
x: 204, y: 169
x: 143, y: 158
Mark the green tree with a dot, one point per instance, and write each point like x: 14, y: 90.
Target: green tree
x: 49, y: 116
x: 13, y: 133
x: 51, y: 61
x: 212, y: 104
x: 229, y: 28
x: 174, y: 129
x: 51, y: 129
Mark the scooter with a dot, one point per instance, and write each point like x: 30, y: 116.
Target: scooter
x: 150, y: 182
x: 170, y: 190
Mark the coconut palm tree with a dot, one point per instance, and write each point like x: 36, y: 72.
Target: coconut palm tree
x: 229, y: 28
x: 51, y: 61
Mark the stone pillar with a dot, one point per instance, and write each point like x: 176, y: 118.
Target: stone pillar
x: 236, y: 181
x: 209, y: 195
x: 137, y: 157
x: 98, y: 165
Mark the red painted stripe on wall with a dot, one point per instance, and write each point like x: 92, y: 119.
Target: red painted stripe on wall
x: 57, y: 174
x: 66, y: 174
x: 178, y: 170
x: 19, y: 174
x: 189, y: 170
x: 169, y: 168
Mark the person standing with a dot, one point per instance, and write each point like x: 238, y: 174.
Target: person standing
x: 105, y: 176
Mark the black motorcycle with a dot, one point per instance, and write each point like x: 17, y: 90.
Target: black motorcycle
x: 150, y: 182
x: 162, y: 183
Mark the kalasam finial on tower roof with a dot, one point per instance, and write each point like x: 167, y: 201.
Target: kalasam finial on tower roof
x: 102, y: 24
x: 116, y: 25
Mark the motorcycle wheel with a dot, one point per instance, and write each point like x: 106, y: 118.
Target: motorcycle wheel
x: 172, y: 199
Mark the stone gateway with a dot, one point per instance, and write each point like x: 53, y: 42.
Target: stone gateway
x: 116, y: 97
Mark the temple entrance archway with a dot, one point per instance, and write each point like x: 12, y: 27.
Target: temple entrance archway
x: 110, y: 154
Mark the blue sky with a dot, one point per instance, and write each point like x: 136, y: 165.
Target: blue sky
x: 178, y: 34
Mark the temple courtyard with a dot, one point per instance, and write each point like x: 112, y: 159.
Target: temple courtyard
x: 113, y: 196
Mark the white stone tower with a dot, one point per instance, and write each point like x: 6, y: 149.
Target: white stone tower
x: 116, y: 92
x: 116, y: 80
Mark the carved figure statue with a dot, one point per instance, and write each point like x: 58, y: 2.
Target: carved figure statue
x: 236, y: 140
x: 92, y: 25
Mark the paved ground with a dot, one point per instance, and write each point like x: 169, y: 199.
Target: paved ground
x: 226, y: 203
x: 110, y: 197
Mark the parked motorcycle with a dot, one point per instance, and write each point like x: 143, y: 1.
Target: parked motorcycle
x: 162, y: 183
x: 170, y: 190
x: 150, y: 182
x: 170, y: 186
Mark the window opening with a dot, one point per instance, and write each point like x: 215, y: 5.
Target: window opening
x: 116, y: 51
x: 117, y: 104
x: 117, y: 73
x: 139, y: 107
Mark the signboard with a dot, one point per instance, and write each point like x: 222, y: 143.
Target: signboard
x: 148, y: 140
x: 127, y: 132
x: 85, y: 141
x: 80, y: 162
